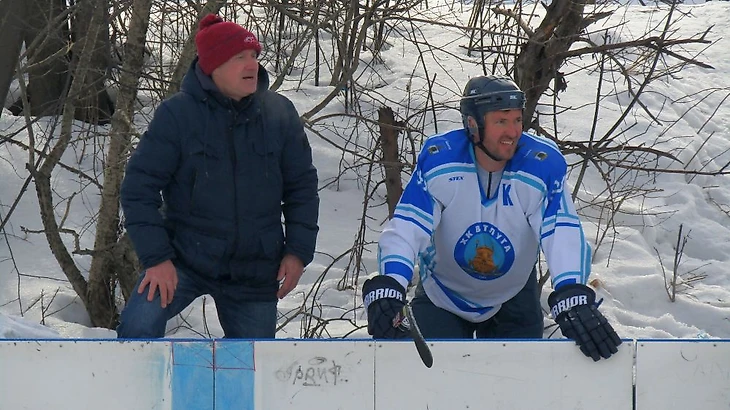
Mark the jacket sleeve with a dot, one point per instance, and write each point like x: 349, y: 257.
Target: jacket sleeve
x: 561, y: 235
x: 409, y: 232
x: 149, y: 170
x: 300, y: 197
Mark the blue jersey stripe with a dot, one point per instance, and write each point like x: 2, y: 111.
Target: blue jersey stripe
x: 539, y: 185
x: 413, y: 221
x: 398, y: 268
x: 398, y: 258
x: 461, y: 303
x: 404, y: 209
x: 449, y: 170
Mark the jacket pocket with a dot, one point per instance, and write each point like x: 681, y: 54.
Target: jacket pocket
x: 272, y: 244
x: 264, y: 177
x: 201, y: 253
x: 211, y: 194
x: 261, y: 270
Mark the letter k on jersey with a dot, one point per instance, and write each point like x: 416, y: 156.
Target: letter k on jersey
x: 506, y: 200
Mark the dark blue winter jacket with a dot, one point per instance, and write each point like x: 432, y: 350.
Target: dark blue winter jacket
x: 227, y: 172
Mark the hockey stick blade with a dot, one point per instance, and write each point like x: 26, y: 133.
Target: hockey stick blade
x: 423, y: 350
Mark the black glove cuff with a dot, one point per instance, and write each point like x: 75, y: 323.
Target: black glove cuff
x: 569, y: 296
x: 382, y: 287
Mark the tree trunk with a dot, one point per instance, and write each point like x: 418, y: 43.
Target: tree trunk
x: 46, y: 42
x: 341, y: 43
x: 11, y: 42
x: 100, y: 314
x: 126, y: 264
x: 389, y: 146
x: 94, y: 105
x: 539, y: 61
x: 101, y: 273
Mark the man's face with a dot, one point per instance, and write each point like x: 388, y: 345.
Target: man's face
x: 237, y: 77
x: 502, y: 131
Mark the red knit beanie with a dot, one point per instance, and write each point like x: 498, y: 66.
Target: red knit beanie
x: 219, y: 40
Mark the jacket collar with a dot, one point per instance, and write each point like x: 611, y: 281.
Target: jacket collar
x: 201, y: 86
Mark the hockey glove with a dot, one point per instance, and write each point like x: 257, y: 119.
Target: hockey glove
x: 574, y: 309
x: 384, y: 299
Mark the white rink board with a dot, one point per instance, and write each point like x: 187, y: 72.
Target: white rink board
x: 318, y: 375
x: 360, y: 375
x: 513, y: 375
x: 683, y: 375
x: 84, y: 375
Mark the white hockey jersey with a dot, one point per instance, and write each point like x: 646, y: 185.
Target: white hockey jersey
x: 475, y: 253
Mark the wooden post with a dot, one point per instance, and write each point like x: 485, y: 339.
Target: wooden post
x: 389, y: 144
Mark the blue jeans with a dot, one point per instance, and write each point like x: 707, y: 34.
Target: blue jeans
x: 240, y: 318
x: 519, y: 318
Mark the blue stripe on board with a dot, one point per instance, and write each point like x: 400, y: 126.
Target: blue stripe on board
x: 234, y: 375
x: 192, y: 375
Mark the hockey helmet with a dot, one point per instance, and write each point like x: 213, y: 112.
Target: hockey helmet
x: 489, y: 93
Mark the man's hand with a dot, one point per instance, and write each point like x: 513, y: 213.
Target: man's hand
x: 290, y: 271
x: 163, y: 277
x: 384, y: 299
x: 574, y: 309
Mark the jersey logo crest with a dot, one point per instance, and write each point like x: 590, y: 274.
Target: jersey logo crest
x: 484, y: 252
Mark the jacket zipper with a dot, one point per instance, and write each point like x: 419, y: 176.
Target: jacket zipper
x: 234, y: 163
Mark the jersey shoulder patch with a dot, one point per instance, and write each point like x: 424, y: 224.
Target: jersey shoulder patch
x: 442, y: 149
x: 538, y: 153
x: 541, y: 158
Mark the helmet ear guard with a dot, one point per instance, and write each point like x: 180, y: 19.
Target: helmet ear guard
x: 473, y: 126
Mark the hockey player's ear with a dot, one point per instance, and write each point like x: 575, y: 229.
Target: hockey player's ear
x: 473, y: 129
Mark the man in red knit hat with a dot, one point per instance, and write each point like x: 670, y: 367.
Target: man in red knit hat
x: 229, y: 54
x: 205, y: 191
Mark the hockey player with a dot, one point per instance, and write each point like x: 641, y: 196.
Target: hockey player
x: 480, y: 205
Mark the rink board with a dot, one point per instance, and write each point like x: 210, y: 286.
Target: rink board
x: 65, y: 374
x: 548, y: 375
x: 318, y: 375
x: 359, y: 375
x: 681, y: 375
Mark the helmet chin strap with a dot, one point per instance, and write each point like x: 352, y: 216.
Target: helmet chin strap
x: 480, y: 144
x: 484, y: 149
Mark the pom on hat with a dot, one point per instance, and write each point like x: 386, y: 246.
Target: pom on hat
x: 218, y: 40
x: 209, y: 20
